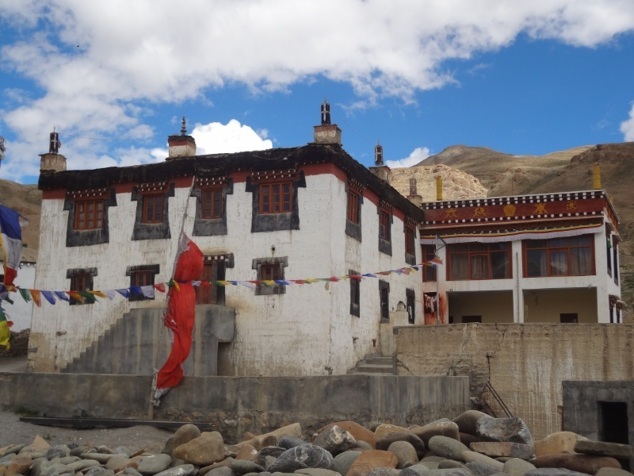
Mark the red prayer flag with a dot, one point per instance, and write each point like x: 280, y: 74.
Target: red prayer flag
x: 181, y: 314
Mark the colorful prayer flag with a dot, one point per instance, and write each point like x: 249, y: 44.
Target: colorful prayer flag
x: 10, y: 242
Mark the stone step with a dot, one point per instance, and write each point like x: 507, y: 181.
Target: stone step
x: 373, y: 364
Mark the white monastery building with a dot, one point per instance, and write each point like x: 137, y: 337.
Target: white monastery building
x: 271, y: 225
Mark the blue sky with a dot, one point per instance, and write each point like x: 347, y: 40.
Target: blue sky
x: 114, y: 78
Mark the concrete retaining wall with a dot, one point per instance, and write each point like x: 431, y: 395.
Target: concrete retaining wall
x: 238, y: 405
x: 526, y: 363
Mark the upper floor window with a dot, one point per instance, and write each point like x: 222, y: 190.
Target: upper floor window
x: 88, y: 214
x: 151, y: 220
x: 211, y: 203
x: 354, y: 193
x: 573, y: 256
x: 276, y: 197
x: 142, y: 281
x: 385, y: 228
x: 410, y: 243
x: 385, y: 225
x: 153, y: 204
x: 472, y: 261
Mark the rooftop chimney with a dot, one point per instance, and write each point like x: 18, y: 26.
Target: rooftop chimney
x: 413, y: 196
x: 182, y: 145
x: 327, y: 133
x: 380, y: 170
x: 53, y: 161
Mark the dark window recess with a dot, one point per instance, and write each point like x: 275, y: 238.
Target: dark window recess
x: 81, y: 280
x: 568, y: 318
x: 151, y: 220
x: 88, y: 216
x: 211, y: 206
x: 270, y: 269
x: 353, y: 210
x: 140, y: 276
x: 411, y: 305
x: 275, y: 204
x: 385, y: 230
x: 384, y: 296
x: 355, y: 293
x: 471, y: 319
x: 613, y: 422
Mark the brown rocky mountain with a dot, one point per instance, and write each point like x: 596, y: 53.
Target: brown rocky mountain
x: 467, y: 172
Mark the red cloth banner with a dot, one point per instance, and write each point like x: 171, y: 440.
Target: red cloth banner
x: 181, y: 314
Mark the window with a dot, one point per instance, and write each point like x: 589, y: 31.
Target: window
x: 353, y: 209
x: 142, y: 281
x: 354, y: 206
x: 572, y: 256
x: 568, y: 318
x: 276, y: 197
x: 355, y: 293
x: 615, y: 261
x: 81, y: 280
x: 211, y: 203
x: 384, y: 296
x: 153, y: 207
x: 88, y: 215
x: 473, y: 261
x: 410, y: 295
x: 385, y: 228
x: 385, y: 225
x: 429, y: 269
x: 151, y: 221
x: 410, y: 243
x: 270, y: 270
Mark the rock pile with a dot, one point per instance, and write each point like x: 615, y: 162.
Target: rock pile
x: 472, y: 444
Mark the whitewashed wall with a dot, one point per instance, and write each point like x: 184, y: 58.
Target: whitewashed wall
x: 306, y: 331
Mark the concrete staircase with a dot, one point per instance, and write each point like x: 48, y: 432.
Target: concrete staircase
x: 375, y: 364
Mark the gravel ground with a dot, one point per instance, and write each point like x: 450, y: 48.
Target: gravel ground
x: 134, y: 439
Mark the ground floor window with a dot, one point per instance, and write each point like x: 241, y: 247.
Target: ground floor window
x: 269, y: 272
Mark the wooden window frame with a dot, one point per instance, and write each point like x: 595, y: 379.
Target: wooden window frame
x: 89, y: 214
x: 475, y: 250
x: 385, y: 225
x: 151, y: 212
x: 212, y: 202
x: 384, y: 301
x: 549, y: 247
x: 353, y: 209
x: 274, y: 202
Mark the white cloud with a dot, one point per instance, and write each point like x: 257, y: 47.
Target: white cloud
x: 627, y: 127
x: 418, y: 155
x: 216, y: 138
x: 101, y: 67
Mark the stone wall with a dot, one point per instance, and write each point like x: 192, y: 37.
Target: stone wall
x: 237, y: 405
x: 525, y: 363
